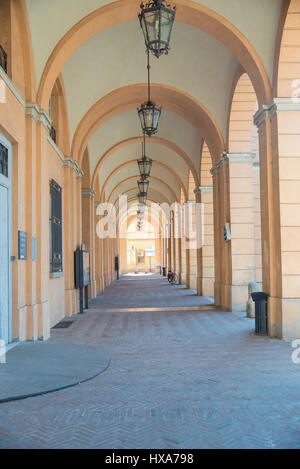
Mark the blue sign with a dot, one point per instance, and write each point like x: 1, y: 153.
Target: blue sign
x: 34, y: 250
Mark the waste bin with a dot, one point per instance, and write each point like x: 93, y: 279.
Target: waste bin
x: 164, y: 272
x: 261, y: 312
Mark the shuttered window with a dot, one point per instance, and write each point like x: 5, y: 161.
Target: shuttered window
x: 56, y: 259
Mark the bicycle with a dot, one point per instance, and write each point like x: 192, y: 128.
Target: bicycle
x: 172, y: 278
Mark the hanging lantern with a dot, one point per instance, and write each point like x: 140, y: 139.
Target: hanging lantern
x: 143, y: 186
x: 156, y: 20
x: 149, y: 113
x: 142, y: 208
x: 144, y: 164
x: 142, y: 198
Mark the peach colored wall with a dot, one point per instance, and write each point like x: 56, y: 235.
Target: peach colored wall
x: 57, y: 285
x: 241, y: 116
x: 208, y: 268
x: 289, y: 60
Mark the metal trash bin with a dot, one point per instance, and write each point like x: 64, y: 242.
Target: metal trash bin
x: 164, y: 272
x: 261, y: 312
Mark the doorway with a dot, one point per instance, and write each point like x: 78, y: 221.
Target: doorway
x: 5, y: 240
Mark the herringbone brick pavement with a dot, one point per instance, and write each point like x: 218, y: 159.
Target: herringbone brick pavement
x: 177, y: 379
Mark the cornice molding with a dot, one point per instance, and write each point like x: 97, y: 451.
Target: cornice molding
x: 72, y: 164
x: 241, y: 157
x: 12, y: 87
x: 55, y: 147
x: 224, y: 161
x: 190, y: 202
x: 268, y: 111
x: 32, y: 109
x: 88, y: 193
x: 39, y: 115
x: 204, y: 190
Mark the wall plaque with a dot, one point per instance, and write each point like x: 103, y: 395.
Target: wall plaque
x: 22, y: 243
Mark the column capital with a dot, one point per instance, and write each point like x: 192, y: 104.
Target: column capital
x: 72, y: 164
x: 267, y: 111
x: 88, y: 193
x: 223, y: 161
x: 190, y: 202
x: 204, y: 190
x: 241, y: 157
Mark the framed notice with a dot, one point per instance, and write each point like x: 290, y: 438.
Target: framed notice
x: 22, y: 245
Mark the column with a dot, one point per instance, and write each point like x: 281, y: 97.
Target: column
x: 193, y: 251
x: 279, y: 124
x: 207, y: 252
x: 88, y: 233
x: 266, y: 121
x: 242, y: 227
x: 223, y: 262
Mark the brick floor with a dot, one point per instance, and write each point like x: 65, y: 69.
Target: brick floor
x: 177, y: 379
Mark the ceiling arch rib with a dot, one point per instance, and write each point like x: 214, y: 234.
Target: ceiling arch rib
x: 159, y: 169
x: 129, y: 97
x: 168, y: 145
x: 156, y: 183
x: 125, y: 127
x: 154, y: 195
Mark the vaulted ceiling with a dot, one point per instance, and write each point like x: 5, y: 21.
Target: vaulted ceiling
x: 198, y: 65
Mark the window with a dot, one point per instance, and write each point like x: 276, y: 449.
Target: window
x: 3, y: 160
x: 56, y: 264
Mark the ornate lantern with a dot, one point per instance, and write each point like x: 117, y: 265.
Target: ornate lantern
x: 156, y: 20
x: 143, y: 186
x: 149, y: 113
x: 144, y: 164
x: 142, y: 198
x: 141, y: 208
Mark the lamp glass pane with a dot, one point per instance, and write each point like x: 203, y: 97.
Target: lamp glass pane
x: 156, y: 117
x: 167, y: 19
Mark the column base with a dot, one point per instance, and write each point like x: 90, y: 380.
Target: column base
x: 71, y: 302
x: 43, y: 321
x: 32, y: 322
x: 275, y: 318
x: 239, y: 298
x: 93, y: 289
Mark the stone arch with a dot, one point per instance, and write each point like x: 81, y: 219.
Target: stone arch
x: 286, y: 81
x: 135, y: 178
x: 129, y: 97
x: 158, y: 140
x: 86, y: 180
x: 15, y: 37
x: 189, y: 12
x: 159, y: 163
x: 191, y: 187
x: 242, y: 108
x: 59, y: 115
